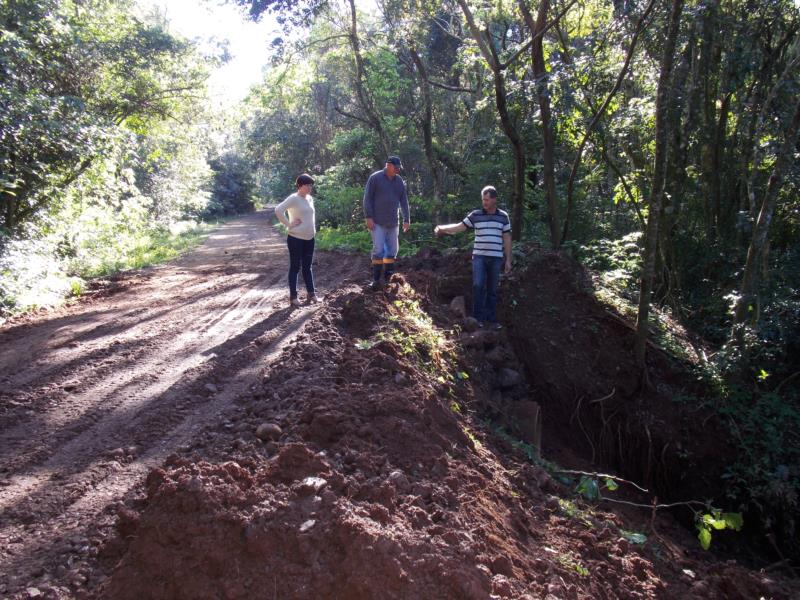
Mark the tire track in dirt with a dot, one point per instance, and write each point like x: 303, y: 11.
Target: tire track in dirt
x: 102, y: 391
x: 120, y: 385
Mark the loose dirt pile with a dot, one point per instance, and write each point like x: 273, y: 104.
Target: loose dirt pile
x: 364, y: 465
x: 95, y: 394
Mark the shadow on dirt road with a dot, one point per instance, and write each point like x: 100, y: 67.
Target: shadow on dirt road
x: 94, y: 394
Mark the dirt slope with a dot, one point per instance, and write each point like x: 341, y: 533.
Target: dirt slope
x: 360, y: 468
x: 95, y: 394
x: 226, y: 447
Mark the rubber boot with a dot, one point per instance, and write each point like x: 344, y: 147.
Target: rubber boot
x: 388, y: 271
x: 377, y: 271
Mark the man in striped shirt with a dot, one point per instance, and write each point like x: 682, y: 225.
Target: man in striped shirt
x: 490, y: 252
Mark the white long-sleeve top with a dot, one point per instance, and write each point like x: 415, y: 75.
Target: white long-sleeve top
x: 301, y: 208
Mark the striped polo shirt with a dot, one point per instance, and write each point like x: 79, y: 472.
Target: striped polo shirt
x: 489, y: 230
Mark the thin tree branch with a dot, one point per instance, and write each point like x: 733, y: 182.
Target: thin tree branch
x: 603, y: 475
x: 625, y: 186
x: 641, y: 26
x: 437, y: 22
x: 350, y: 115
x: 451, y: 88
x: 505, y: 64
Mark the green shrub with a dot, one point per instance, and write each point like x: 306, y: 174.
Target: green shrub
x: 339, y: 206
x: 618, y: 261
x: 344, y: 239
x: 765, y: 478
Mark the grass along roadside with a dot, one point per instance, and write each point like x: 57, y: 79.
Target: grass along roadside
x: 35, y: 274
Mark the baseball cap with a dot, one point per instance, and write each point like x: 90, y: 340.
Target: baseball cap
x: 395, y: 160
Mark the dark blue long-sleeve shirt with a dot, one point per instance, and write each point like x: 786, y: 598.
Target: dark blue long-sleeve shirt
x: 382, y: 198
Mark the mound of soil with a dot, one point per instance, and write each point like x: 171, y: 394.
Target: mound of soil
x: 598, y: 412
x: 359, y: 468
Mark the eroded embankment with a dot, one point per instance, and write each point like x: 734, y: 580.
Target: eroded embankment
x: 577, y: 356
x: 357, y: 469
x: 665, y: 433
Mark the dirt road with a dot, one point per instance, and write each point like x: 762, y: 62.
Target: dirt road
x: 95, y: 394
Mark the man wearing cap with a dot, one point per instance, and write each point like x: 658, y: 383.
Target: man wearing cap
x: 384, y: 193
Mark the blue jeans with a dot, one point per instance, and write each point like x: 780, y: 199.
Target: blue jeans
x: 485, y: 278
x: 384, y: 243
x: 301, y: 253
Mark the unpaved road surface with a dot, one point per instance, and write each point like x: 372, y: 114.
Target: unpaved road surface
x: 95, y: 394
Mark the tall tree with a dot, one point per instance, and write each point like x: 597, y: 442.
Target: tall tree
x: 659, y: 174
x: 486, y: 46
x: 372, y: 116
x: 639, y: 28
x: 537, y: 28
x: 748, y: 292
x: 70, y: 76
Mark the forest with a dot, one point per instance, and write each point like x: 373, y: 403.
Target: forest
x: 654, y: 141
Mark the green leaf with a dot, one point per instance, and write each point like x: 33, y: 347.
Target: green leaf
x: 704, y: 536
x: 611, y: 484
x: 712, y: 521
x: 581, y: 570
x: 733, y: 520
x: 588, y: 488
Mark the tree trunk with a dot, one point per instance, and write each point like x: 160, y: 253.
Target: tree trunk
x: 721, y: 213
x: 599, y: 113
x: 659, y: 177
x: 758, y: 126
x: 540, y: 74
x: 748, y: 294
x: 519, y: 154
x: 684, y: 85
x: 426, y: 122
x: 487, y: 49
x: 709, y: 67
x: 9, y: 212
x: 364, y: 99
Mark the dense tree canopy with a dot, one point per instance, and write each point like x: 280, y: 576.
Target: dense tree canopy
x: 105, y: 139
x: 72, y: 74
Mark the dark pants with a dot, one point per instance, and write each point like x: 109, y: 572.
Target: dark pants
x: 485, y: 277
x: 301, y: 253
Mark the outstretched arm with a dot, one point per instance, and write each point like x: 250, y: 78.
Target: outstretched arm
x: 451, y: 229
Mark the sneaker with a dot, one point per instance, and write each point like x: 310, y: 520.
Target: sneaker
x: 493, y: 325
x: 295, y: 302
x: 312, y: 299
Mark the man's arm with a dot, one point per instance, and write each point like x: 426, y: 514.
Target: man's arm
x: 369, y: 203
x: 507, y: 250
x: 404, y: 208
x: 451, y: 229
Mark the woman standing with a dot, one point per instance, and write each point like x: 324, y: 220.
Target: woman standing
x: 301, y: 226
